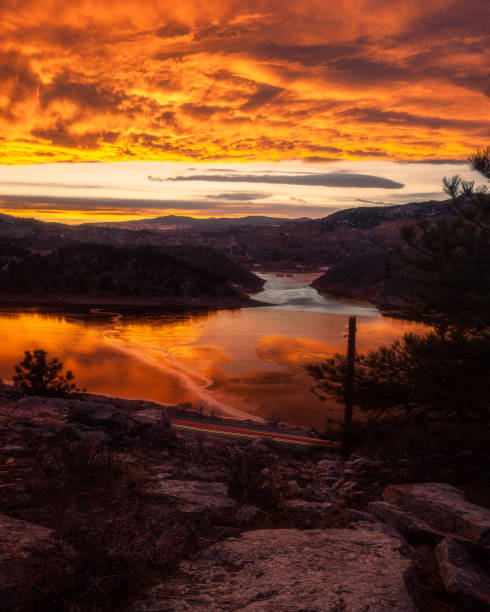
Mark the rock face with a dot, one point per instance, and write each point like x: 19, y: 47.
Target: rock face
x: 407, y: 524
x: 289, y: 570
x: 21, y: 543
x: 464, y: 578
x: 195, y: 495
x: 444, y: 507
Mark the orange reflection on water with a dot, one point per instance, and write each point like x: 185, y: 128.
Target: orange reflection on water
x: 240, y: 362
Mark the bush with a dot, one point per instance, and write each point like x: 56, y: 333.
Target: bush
x: 36, y: 375
x: 252, y: 476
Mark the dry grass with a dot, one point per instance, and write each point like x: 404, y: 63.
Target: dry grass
x: 116, y: 541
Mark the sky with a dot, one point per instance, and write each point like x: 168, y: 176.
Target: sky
x: 129, y: 109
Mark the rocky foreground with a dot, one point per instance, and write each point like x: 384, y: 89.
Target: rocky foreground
x: 104, y: 507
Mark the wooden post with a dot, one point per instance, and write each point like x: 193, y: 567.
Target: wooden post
x: 349, y: 387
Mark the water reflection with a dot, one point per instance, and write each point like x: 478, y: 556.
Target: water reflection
x: 246, y: 362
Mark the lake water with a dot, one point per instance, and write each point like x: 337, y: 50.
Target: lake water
x: 246, y: 362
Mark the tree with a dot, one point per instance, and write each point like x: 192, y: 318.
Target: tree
x: 448, y: 261
x: 443, y: 374
x: 438, y: 376
x: 37, y: 376
x: 480, y: 161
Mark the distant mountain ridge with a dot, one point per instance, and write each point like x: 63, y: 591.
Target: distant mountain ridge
x: 365, y: 217
x: 361, y: 217
x: 253, y: 240
x: 169, y: 222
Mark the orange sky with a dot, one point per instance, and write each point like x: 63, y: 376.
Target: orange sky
x: 240, y: 81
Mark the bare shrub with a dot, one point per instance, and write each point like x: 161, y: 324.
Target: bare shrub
x: 71, y: 464
x: 252, y: 476
x: 117, y: 541
x: 113, y: 552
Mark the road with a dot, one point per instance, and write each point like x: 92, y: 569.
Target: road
x: 234, y: 431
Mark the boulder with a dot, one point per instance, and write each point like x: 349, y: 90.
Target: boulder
x: 410, y: 526
x: 195, y: 495
x: 464, y: 578
x: 444, y: 507
x: 22, y: 547
x: 317, y: 570
x: 149, y: 427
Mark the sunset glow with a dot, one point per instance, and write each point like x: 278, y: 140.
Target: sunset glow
x: 212, y: 358
x: 262, y: 80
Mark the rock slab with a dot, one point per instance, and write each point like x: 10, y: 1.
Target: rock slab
x: 444, y: 507
x: 319, y: 570
x: 406, y: 523
x: 195, y: 495
x: 21, y: 545
x: 464, y: 578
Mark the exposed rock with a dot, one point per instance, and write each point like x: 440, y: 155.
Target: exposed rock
x: 350, y: 491
x: 306, y: 509
x: 201, y: 473
x: 246, y: 514
x: 361, y: 463
x: 21, y: 546
x: 196, y: 495
x: 290, y: 570
x: 149, y: 426
x: 88, y: 434
x: 409, y: 525
x: 90, y: 412
x: 348, y: 485
x: 465, y: 580
x: 320, y: 494
x: 444, y: 507
x: 264, y: 444
x: 359, y: 515
x: 331, y: 467
x: 293, y: 488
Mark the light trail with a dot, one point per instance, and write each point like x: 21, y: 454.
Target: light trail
x: 243, y: 432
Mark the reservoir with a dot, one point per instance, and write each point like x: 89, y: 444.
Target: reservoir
x: 246, y: 363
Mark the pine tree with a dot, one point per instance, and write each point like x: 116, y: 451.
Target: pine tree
x: 37, y: 376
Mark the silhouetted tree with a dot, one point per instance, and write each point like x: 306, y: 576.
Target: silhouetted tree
x: 438, y: 376
x: 441, y: 375
x: 449, y: 260
x: 37, y: 376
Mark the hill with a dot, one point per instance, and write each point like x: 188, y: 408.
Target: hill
x: 103, y: 271
x: 268, y: 241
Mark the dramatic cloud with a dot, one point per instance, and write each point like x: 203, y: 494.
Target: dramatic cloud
x: 331, y: 179
x: 258, y: 80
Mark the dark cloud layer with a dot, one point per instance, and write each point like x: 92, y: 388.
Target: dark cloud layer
x: 331, y: 179
x: 239, y: 196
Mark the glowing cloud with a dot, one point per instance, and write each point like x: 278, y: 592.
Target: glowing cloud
x: 261, y: 80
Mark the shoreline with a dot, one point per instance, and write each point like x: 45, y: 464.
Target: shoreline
x: 12, y: 300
